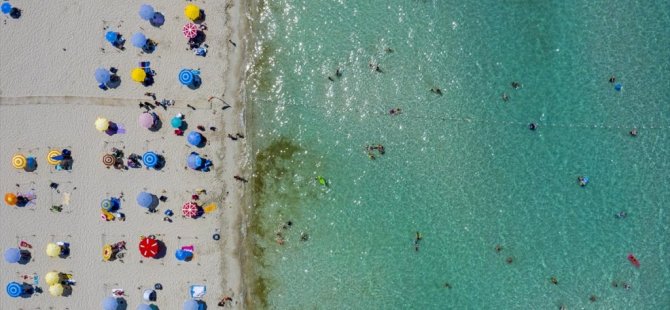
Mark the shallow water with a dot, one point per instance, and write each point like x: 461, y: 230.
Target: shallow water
x: 462, y: 167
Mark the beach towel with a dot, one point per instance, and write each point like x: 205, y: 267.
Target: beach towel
x: 198, y: 291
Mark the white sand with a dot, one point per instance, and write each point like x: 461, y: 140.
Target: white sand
x: 52, y: 100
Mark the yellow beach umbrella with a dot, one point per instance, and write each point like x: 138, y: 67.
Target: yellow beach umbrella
x: 56, y: 289
x: 107, y: 252
x: 192, y: 11
x: 138, y: 75
x: 19, y: 161
x: 53, y: 250
x: 53, y: 153
x: 10, y: 199
x: 101, y: 124
x: 52, y: 277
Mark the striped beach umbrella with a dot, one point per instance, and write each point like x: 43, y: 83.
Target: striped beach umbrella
x: 108, y: 160
x: 107, y: 252
x: 19, y: 161
x: 186, y: 77
x: 148, y: 247
x: 51, y: 155
x: 150, y: 159
x: 106, y: 204
x: 14, y: 289
x: 190, y: 30
x: 189, y: 209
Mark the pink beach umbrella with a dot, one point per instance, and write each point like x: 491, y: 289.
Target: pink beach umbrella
x: 190, y: 209
x: 190, y: 30
x: 146, y: 120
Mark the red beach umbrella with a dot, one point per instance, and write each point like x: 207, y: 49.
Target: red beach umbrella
x: 190, y: 209
x: 190, y: 30
x: 149, y: 247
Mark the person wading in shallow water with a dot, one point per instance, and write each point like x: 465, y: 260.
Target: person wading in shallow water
x: 417, y: 240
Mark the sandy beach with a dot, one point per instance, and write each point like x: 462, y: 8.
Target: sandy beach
x: 49, y: 99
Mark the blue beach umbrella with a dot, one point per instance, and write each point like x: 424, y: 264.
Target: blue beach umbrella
x: 191, y: 304
x: 110, y: 303
x: 183, y: 255
x: 138, y: 40
x: 146, y: 11
x: 12, y: 255
x: 194, y: 161
x: 144, y: 307
x: 145, y: 199
x: 6, y: 8
x: 157, y: 20
x: 111, y: 36
x: 31, y: 163
x: 14, y: 289
x: 102, y: 75
x: 150, y: 159
x: 176, y: 122
x: 194, y: 138
x: 186, y: 77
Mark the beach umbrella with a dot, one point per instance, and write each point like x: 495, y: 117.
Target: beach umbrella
x: 146, y: 120
x: 14, y: 289
x: 146, y: 11
x: 190, y: 209
x: 138, y: 75
x: 191, y: 304
x: 52, y: 277
x: 145, y: 199
x: 101, y: 124
x: 138, y: 40
x: 107, y: 252
x: 106, y: 204
x: 108, y: 159
x: 176, y: 122
x: 186, y: 77
x: 111, y: 36
x: 190, y: 30
x: 109, y: 303
x: 53, y: 250
x: 51, y: 155
x: 12, y: 255
x: 144, y: 307
x: 192, y: 11
x: 150, y: 159
x: 157, y: 20
x: 194, y: 138
x: 10, y: 199
x: 102, y: 75
x: 56, y: 289
x: 194, y: 161
x: 6, y: 7
x: 19, y: 161
x: 149, y: 247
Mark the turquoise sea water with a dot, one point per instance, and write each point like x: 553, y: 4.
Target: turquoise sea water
x: 462, y: 168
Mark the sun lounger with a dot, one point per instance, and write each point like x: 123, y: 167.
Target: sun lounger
x: 198, y: 291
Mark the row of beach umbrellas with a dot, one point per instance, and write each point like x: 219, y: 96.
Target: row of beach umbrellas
x: 53, y: 157
x: 113, y: 303
x: 187, y: 77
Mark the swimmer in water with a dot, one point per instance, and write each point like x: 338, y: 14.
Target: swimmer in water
x: 417, y: 239
x: 516, y: 85
x: 612, y: 79
x: 621, y: 215
x: 505, y: 97
x: 436, y: 90
x: 395, y: 111
x: 532, y: 126
x: 633, y: 132
x: 338, y: 73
